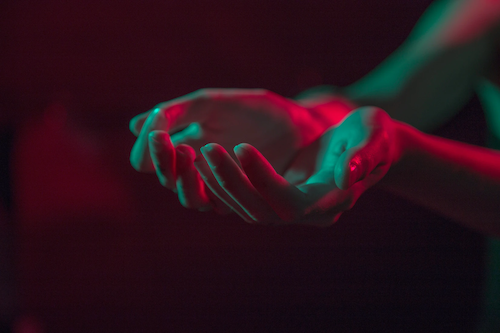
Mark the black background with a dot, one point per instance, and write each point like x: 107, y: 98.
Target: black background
x: 101, y: 248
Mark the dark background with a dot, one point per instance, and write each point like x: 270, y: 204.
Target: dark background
x: 101, y: 248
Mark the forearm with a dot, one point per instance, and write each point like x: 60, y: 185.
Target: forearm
x: 458, y: 180
x: 422, y: 92
x: 433, y: 74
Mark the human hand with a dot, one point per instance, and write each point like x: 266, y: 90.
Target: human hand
x: 336, y: 169
x: 170, y: 135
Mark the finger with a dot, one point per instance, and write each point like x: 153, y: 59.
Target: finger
x: 350, y: 168
x: 137, y: 122
x: 190, y: 136
x: 368, y: 149
x: 285, y: 199
x: 163, y: 157
x: 233, y: 180
x: 190, y: 186
x: 358, y: 163
x: 140, y: 157
x: 169, y: 117
x: 218, y: 205
x: 331, y: 147
x: 209, y: 179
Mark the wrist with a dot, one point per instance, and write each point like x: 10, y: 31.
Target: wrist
x: 403, y: 146
x: 407, y: 139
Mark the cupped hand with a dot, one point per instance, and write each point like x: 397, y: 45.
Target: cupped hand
x: 325, y: 180
x: 169, y: 135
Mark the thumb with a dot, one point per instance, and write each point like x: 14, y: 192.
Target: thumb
x: 352, y: 166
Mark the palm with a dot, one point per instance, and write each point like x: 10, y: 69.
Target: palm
x: 312, y: 172
x: 272, y: 132
x: 276, y: 126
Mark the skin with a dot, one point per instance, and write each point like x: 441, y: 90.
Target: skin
x: 317, y: 173
x: 262, y: 195
x: 278, y: 127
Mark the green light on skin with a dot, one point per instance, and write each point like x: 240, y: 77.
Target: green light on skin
x: 489, y: 95
x: 192, y: 132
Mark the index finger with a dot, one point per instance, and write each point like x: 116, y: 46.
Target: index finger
x: 137, y: 122
x: 168, y: 117
x: 140, y: 155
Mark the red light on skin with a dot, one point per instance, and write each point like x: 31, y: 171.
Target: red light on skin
x: 467, y: 20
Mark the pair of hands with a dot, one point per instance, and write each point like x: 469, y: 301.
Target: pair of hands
x: 293, y: 166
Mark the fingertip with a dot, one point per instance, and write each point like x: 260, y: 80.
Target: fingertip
x: 242, y: 148
x: 210, y: 147
x: 158, y: 137
x: 187, y: 150
x: 163, y: 158
x: 159, y: 143
x: 136, y: 123
x: 243, y: 152
x: 133, y: 161
x: 181, y: 158
x: 213, y: 154
x: 255, y: 165
x: 191, y: 190
x: 138, y: 163
x: 185, y: 156
x: 132, y: 126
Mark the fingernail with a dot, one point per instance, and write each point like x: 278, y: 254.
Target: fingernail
x: 211, y: 155
x: 241, y: 152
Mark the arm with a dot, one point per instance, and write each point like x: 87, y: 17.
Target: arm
x: 459, y: 180
x: 433, y: 74
x: 424, y: 83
